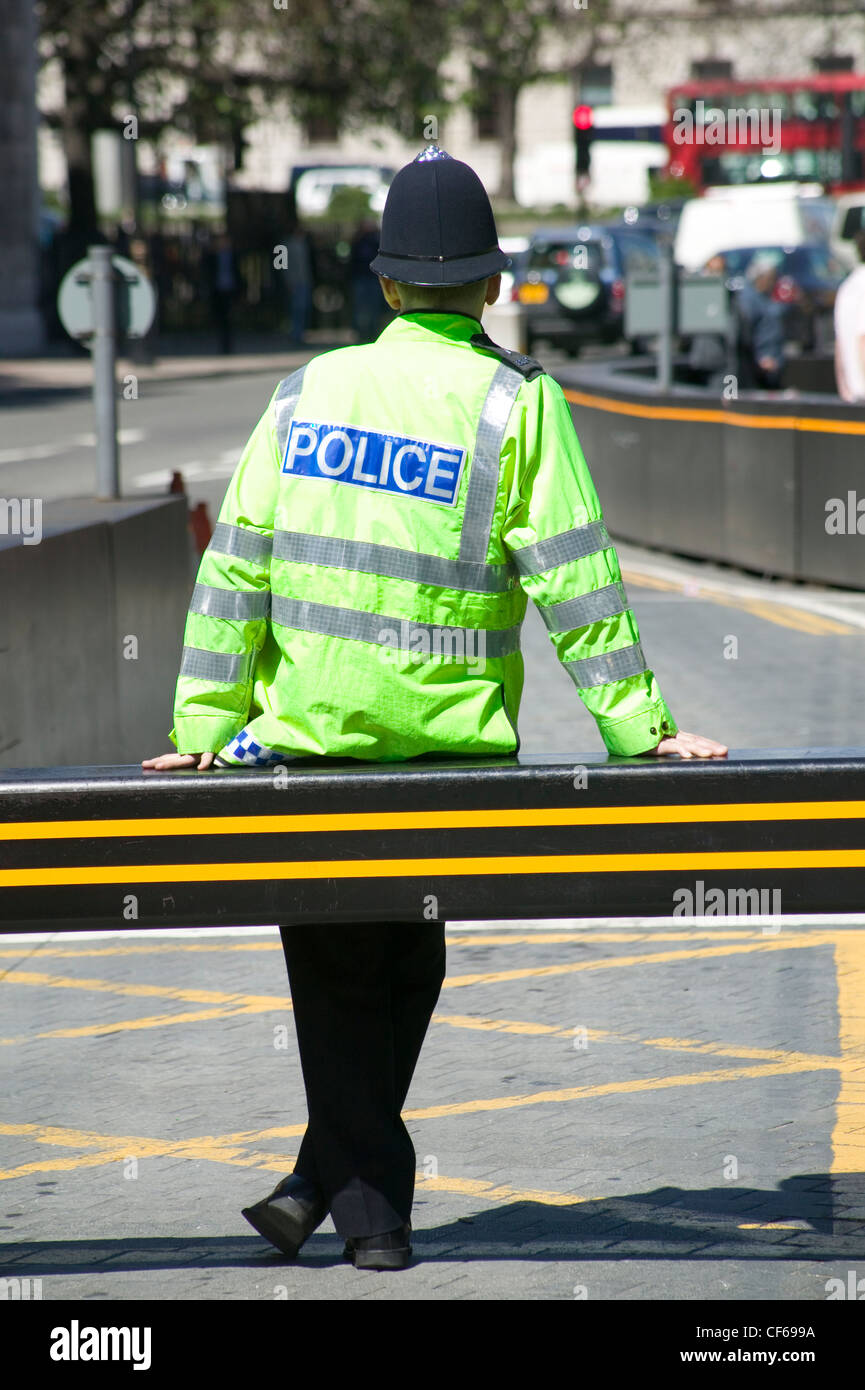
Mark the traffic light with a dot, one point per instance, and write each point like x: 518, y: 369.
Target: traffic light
x: 584, y: 119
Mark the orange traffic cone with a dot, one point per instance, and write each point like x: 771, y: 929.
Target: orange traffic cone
x: 198, y: 521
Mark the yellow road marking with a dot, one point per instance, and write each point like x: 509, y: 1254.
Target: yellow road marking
x: 782, y: 614
x: 227, y: 1148
x: 611, y: 1088
x: 234, y: 1004
x: 773, y: 1226
x: 223, y: 1149
x: 507, y: 938
x: 454, y: 819
x: 848, y: 1135
x: 798, y: 942
x: 193, y: 996
x: 692, y: 1045
x: 471, y: 1187
x: 131, y: 1025
x: 700, y: 862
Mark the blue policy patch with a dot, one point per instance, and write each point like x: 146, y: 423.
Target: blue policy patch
x: 367, y: 458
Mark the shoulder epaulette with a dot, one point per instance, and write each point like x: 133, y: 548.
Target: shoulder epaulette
x: 529, y: 367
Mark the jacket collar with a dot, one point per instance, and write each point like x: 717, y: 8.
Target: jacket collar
x: 424, y: 325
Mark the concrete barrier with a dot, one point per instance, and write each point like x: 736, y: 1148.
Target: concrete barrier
x: 91, y: 630
x: 754, y: 482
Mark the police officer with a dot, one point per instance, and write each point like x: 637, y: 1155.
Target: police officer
x: 362, y: 597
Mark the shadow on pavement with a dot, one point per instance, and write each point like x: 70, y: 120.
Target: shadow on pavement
x: 824, y: 1216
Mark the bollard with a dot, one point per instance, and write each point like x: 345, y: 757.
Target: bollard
x: 667, y: 327
x: 104, y: 348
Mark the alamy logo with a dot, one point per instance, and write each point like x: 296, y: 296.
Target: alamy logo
x: 76, y: 1343
x: 20, y: 1288
x: 845, y: 517
x: 736, y: 126
x: 853, y: 1289
x: 418, y: 643
x: 701, y: 901
x: 21, y: 516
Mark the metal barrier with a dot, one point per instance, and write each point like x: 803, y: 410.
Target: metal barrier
x: 778, y: 832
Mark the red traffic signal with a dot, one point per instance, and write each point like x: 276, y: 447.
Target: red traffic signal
x: 584, y: 117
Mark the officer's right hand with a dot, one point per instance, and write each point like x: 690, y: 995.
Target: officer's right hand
x: 691, y: 746
x: 166, y: 762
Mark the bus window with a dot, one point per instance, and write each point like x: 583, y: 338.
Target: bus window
x: 804, y: 106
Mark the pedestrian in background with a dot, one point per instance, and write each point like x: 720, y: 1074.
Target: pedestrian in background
x: 850, y: 331
x: 298, y: 280
x: 224, y: 283
x: 367, y: 305
x: 761, y: 327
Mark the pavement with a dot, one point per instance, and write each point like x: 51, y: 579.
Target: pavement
x: 70, y: 369
x: 599, y: 1113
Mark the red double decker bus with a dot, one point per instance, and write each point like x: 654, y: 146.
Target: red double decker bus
x: 811, y: 130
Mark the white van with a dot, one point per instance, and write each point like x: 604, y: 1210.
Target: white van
x: 755, y: 215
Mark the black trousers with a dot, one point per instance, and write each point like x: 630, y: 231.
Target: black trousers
x: 363, y: 995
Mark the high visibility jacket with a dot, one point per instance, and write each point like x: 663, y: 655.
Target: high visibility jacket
x: 364, y: 588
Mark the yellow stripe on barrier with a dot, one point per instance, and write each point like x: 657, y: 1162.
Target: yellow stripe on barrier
x: 416, y: 868
x: 432, y: 820
x: 714, y: 417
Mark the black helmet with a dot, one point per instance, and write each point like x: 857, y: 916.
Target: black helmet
x: 437, y: 227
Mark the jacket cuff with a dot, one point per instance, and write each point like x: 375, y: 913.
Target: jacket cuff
x: 640, y: 733
x: 204, y: 733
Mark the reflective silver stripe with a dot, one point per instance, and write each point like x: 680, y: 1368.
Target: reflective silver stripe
x: 393, y: 562
x: 484, y: 472
x: 240, y: 541
x: 202, y: 665
x: 285, y: 404
x: 612, y: 666
x: 384, y: 631
x: 558, y: 550
x: 588, y: 608
x: 239, y: 604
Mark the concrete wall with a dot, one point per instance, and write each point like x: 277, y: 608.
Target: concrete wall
x: 91, y: 630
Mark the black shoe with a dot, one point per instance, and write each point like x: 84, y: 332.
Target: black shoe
x: 392, y: 1250
x: 290, y: 1214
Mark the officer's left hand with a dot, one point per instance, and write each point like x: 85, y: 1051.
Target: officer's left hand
x: 691, y: 746
x: 166, y: 762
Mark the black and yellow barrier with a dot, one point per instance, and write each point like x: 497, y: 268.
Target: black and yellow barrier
x: 776, y: 833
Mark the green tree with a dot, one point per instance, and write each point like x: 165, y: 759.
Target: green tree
x: 209, y: 67
x: 504, y: 42
x: 357, y: 62
x: 164, y: 62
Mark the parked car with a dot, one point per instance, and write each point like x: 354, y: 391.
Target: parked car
x: 573, y: 286
x: 808, y: 280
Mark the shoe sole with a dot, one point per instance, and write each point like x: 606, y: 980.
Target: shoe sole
x: 379, y: 1259
x: 277, y: 1227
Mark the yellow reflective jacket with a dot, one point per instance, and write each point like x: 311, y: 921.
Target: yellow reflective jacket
x: 363, y: 591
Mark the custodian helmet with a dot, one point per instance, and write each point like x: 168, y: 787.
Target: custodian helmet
x: 437, y: 227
